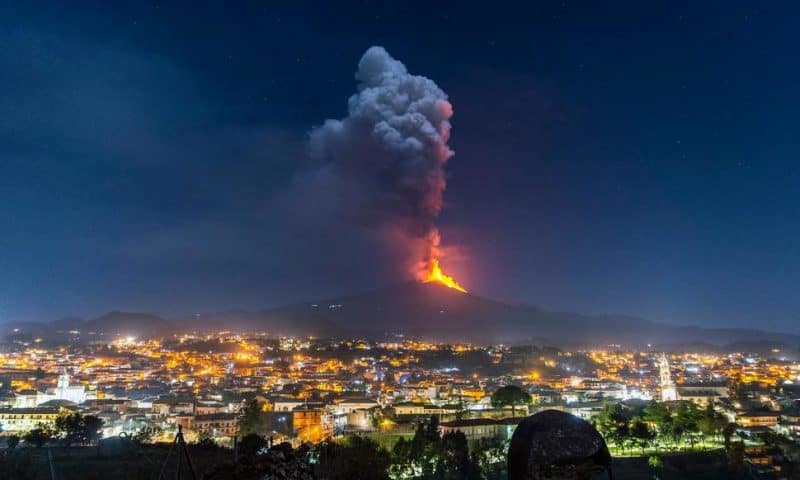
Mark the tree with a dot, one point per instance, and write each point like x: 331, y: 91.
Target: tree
x: 462, y: 411
x: 510, y: 395
x: 456, y: 463
x: 147, y: 434
x: 687, y: 417
x: 710, y: 422
x: 489, y: 456
x: 613, y: 423
x: 12, y: 441
x: 641, y: 432
x: 355, y: 458
x: 205, y: 440
x: 736, y: 456
x: 252, y: 419
x: 432, y: 429
x: 656, y: 465
x: 92, y: 429
x: 426, y: 446
x: 251, y: 444
x: 727, y: 432
x: 69, y: 427
x: 38, y: 436
x: 603, y: 421
x: 75, y: 428
x: 657, y: 413
x: 421, y: 456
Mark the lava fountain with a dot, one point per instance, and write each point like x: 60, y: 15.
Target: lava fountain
x: 435, y: 274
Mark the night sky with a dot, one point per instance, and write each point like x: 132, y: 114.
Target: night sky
x: 636, y: 158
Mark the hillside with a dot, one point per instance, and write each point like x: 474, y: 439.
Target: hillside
x: 129, y: 324
x: 434, y: 311
x: 111, y: 325
x: 427, y: 310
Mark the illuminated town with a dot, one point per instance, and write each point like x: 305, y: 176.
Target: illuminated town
x: 311, y: 390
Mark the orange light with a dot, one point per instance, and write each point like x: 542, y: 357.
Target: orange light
x: 436, y: 275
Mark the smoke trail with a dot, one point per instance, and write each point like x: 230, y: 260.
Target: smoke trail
x: 389, y: 153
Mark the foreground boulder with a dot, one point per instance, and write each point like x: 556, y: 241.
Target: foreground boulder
x: 556, y: 445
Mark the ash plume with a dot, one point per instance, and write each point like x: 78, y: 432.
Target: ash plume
x: 385, y: 161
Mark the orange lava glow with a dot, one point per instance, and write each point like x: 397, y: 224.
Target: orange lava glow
x: 437, y: 275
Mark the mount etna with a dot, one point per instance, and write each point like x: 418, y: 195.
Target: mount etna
x: 425, y: 310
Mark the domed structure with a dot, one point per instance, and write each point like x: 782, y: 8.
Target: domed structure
x: 556, y: 445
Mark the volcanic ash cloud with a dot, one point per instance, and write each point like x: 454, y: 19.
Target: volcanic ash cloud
x: 387, y: 157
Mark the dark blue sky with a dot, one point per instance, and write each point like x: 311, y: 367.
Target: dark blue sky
x: 639, y: 157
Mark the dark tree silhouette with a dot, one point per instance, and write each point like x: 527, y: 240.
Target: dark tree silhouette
x: 252, y: 419
x: 356, y: 458
x: 38, y: 436
x: 251, y: 444
x: 510, y: 395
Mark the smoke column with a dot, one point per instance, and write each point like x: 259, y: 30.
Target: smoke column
x: 388, y: 155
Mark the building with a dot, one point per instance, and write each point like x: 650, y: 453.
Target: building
x: 757, y: 419
x: 30, y: 398
x: 668, y: 391
x: 19, y: 420
x: 408, y: 408
x: 585, y: 410
x: 216, y: 425
x: 166, y: 407
x: 351, y: 405
x: 108, y: 405
x: 65, y: 391
x: 207, y: 408
x: 702, y: 393
x: 359, y: 419
x: 478, y: 428
x: 286, y: 404
x: 311, y: 424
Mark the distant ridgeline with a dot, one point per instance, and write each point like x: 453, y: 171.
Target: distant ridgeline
x: 428, y: 310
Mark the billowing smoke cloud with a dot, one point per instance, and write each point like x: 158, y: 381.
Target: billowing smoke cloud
x: 386, y: 159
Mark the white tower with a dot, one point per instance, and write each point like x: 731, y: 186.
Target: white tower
x: 668, y: 390
x: 64, y: 391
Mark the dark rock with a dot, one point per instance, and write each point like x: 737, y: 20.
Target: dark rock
x: 553, y: 444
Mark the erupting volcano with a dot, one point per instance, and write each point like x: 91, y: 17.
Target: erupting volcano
x: 429, y: 270
x: 385, y: 161
x: 437, y: 275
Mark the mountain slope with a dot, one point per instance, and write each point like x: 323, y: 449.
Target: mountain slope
x: 108, y: 327
x: 427, y: 310
x: 435, y: 311
x: 129, y: 324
